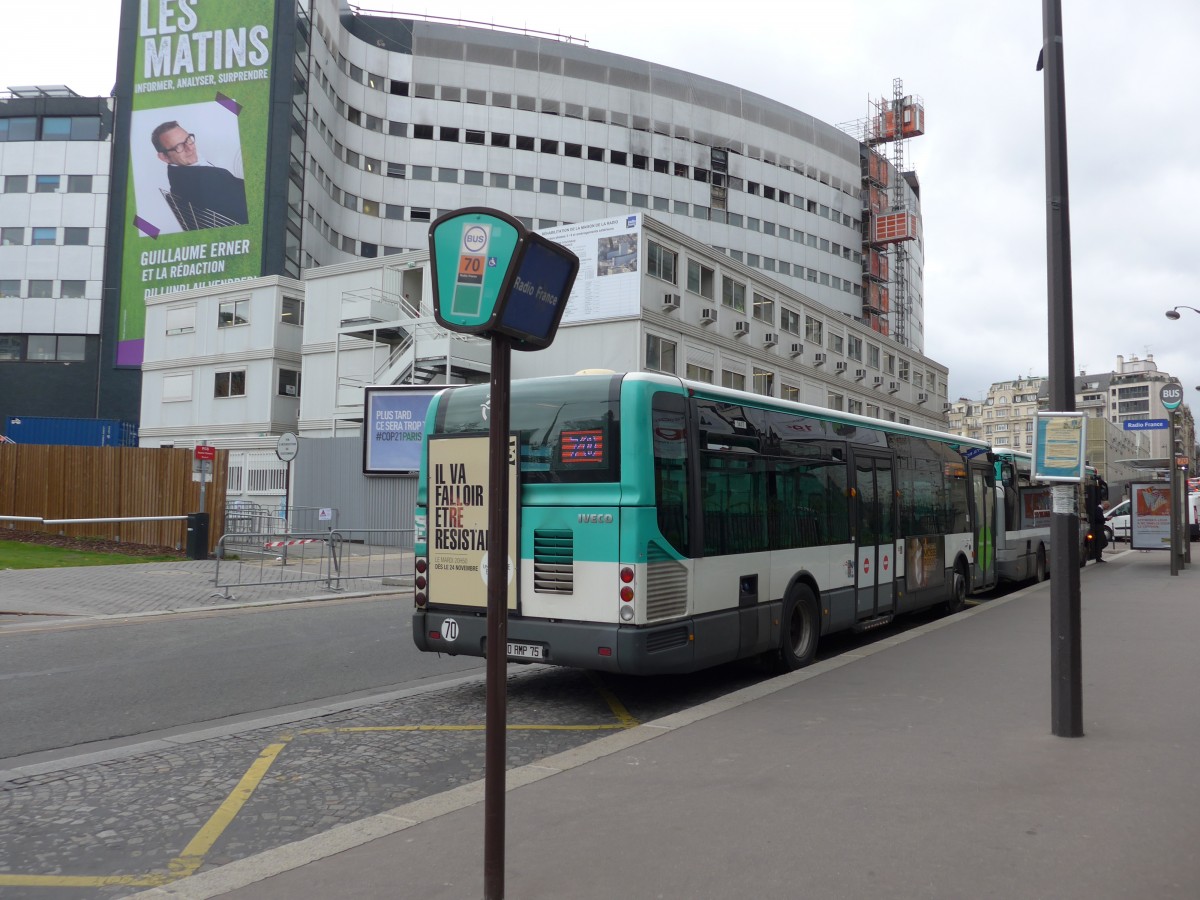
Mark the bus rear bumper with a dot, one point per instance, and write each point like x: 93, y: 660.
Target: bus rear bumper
x: 648, y: 650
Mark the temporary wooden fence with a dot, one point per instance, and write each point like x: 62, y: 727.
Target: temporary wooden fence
x: 54, y: 482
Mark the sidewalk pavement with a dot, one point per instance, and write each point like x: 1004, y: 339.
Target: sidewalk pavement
x: 918, y: 766
x: 179, y: 586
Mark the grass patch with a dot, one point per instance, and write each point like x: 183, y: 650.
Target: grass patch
x: 23, y: 555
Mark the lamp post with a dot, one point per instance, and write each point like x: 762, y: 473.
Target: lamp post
x: 1173, y: 313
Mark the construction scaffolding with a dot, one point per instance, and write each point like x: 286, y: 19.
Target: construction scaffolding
x: 889, y: 221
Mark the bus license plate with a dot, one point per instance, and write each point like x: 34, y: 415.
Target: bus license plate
x: 526, y: 651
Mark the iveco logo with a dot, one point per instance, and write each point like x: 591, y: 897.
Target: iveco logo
x: 595, y: 518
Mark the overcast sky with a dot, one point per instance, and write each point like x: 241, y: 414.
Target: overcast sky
x: 1132, y: 76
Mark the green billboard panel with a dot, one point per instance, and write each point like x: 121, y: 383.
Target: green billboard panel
x: 197, y: 153
x: 471, y: 251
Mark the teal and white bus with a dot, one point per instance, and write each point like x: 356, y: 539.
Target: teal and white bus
x: 667, y: 526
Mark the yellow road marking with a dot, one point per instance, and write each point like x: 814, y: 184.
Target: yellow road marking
x: 193, y: 854
x: 616, y: 706
x: 84, y: 880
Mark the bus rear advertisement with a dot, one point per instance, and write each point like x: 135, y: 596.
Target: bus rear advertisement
x: 667, y: 526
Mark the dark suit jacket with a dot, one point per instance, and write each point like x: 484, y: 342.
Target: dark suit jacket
x: 210, y: 187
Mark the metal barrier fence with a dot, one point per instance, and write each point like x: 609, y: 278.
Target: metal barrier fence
x: 376, y: 559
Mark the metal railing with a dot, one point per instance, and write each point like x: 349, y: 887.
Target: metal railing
x: 378, y: 559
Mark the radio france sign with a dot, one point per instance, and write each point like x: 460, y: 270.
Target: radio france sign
x: 1145, y: 424
x: 491, y: 275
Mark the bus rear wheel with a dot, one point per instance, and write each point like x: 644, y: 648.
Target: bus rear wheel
x: 801, y: 628
x: 958, y: 597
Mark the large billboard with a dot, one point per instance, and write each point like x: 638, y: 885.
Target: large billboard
x: 197, y: 153
x: 609, y: 280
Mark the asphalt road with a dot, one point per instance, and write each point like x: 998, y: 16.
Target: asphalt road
x: 65, y: 685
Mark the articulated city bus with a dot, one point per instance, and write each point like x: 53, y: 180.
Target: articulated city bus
x: 666, y: 526
x: 1023, y: 509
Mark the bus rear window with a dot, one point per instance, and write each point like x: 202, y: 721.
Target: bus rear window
x: 568, y: 426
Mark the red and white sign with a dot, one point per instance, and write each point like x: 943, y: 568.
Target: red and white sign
x: 205, y: 452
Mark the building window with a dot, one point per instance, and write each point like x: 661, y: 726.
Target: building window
x: 873, y: 356
x: 10, y: 347
x: 854, y: 406
x: 700, y: 279
x: 763, y: 309
x: 836, y: 401
x: 764, y: 382
x: 836, y: 343
x: 733, y: 294
x: 45, y: 184
x: 12, y: 237
x: 293, y: 311
x: 20, y: 128
x: 181, y: 320
x: 71, y: 287
x: 699, y: 373
x: 289, y: 383
x: 731, y: 379
x: 789, y: 321
x: 230, y: 384
x: 889, y: 363
x: 660, y: 354
x: 15, y: 184
x: 662, y: 263
x: 177, y: 388
x: 904, y: 370
x: 44, y: 237
x: 233, y: 312
x: 75, y: 237
x: 10, y: 287
x: 57, y: 347
x: 41, y: 287
x: 813, y: 329
x: 854, y: 347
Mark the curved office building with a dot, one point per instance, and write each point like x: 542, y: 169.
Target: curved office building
x: 409, y: 119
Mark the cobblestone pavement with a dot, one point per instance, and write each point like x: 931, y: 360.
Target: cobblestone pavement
x: 111, y: 828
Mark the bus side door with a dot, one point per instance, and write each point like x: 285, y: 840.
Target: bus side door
x: 875, y: 534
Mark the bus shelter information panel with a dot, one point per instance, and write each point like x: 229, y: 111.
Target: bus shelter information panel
x: 458, y: 536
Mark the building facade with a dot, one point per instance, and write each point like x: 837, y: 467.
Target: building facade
x: 55, y: 151
x: 225, y: 365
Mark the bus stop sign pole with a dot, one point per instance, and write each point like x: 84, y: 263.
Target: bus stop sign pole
x: 1066, y: 679
x: 496, y: 722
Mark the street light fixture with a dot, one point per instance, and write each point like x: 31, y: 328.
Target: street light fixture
x: 1174, y: 313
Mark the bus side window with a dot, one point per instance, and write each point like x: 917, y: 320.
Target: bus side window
x: 669, y: 435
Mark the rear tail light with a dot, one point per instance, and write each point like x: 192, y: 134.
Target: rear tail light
x: 627, y: 594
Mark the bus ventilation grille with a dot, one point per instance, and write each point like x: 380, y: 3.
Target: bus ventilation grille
x: 666, y: 588
x: 553, y: 561
x: 671, y: 639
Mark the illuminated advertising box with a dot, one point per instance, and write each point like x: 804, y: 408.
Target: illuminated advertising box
x: 197, y: 138
x: 393, y: 428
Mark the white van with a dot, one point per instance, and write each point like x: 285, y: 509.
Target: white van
x: 1116, y: 520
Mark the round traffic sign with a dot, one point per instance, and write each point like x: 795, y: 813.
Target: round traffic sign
x: 288, y: 446
x: 1171, y: 394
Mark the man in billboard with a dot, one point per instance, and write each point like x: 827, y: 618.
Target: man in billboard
x: 202, y: 195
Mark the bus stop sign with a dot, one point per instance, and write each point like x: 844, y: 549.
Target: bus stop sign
x: 491, y: 275
x: 1171, y: 394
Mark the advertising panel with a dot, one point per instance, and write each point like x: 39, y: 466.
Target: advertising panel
x: 197, y: 153
x: 457, y: 544
x: 1035, y: 507
x: 608, y: 285
x: 924, y: 562
x: 1150, y: 520
x: 393, y: 427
